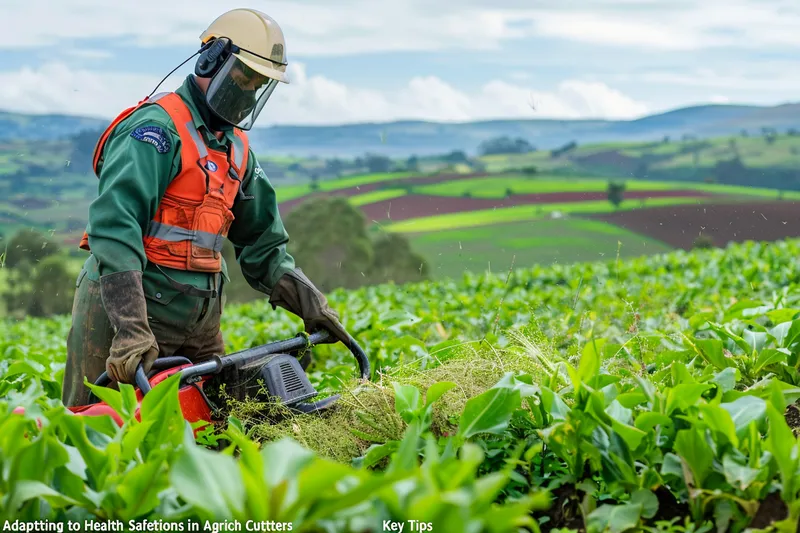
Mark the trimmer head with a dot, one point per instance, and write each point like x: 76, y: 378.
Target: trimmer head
x: 276, y: 377
x: 283, y: 377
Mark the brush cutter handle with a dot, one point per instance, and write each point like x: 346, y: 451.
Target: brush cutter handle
x: 141, y: 380
x: 363, y: 361
x: 361, y: 357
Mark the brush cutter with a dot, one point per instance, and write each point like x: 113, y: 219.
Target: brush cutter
x: 271, y: 372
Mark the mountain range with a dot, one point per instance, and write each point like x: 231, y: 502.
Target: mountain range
x: 406, y: 138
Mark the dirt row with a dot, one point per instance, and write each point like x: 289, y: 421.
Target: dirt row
x: 419, y: 205
x: 680, y: 225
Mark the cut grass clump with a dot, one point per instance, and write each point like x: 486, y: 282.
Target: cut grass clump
x: 365, y: 414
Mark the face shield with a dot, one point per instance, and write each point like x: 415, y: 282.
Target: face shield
x: 237, y: 93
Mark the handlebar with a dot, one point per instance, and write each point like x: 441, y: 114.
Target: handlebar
x: 249, y: 355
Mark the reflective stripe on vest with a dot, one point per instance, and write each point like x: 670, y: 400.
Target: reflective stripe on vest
x: 203, y: 239
x: 198, y: 142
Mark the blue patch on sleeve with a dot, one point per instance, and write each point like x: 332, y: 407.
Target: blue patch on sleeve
x: 153, y: 135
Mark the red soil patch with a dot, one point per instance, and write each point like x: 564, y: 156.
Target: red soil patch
x: 680, y: 225
x: 415, y: 206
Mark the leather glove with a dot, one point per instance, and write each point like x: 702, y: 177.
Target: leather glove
x: 133, y: 342
x: 295, y: 293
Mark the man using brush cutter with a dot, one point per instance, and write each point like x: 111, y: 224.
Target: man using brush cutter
x: 177, y: 177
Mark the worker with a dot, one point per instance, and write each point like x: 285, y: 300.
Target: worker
x: 176, y: 177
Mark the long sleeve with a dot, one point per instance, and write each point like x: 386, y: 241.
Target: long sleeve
x: 257, y: 233
x: 140, y: 159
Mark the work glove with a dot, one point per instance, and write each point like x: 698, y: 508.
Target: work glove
x: 133, y: 342
x: 295, y: 293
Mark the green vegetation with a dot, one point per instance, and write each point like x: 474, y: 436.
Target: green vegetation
x: 376, y: 196
x: 331, y: 243
x: 495, y: 187
x: 759, y: 160
x: 654, y: 394
x: 290, y: 192
x: 38, y: 277
x: 498, y: 247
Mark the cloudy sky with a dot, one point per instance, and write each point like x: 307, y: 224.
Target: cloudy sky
x: 449, y: 60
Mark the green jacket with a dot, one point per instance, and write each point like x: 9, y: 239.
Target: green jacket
x: 133, y: 177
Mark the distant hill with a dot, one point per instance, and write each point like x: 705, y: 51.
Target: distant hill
x: 404, y: 138
x: 18, y: 126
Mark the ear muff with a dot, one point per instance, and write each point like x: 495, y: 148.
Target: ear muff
x: 213, y: 55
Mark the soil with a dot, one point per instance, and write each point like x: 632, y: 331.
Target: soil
x: 564, y: 512
x: 792, y: 415
x: 423, y: 205
x: 680, y: 225
x: 668, y: 506
x: 772, y: 509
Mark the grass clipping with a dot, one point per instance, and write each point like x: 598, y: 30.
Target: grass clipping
x: 365, y: 413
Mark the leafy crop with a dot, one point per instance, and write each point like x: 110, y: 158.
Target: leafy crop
x: 656, y: 395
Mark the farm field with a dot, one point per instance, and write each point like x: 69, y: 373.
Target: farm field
x: 496, y: 215
x: 412, y: 203
x: 723, y: 223
x: 656, y: 392
x: 463, y: 222
x: 499, y: 247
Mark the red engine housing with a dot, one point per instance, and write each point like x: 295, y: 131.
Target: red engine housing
x: 193, y: 404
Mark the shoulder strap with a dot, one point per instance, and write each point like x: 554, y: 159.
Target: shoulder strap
x: 98, y: 147
x: 240, y: 151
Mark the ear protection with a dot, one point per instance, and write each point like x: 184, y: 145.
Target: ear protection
x: 213, y: 55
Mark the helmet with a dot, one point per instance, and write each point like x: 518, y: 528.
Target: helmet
x: 244, y: 54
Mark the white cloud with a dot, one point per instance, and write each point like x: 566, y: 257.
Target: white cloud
x: 320, y: 28
x: 87, y: 53
x: 56, y: 88
x: 319, y: 100
x: 313, y: 28
x: 315, y: 99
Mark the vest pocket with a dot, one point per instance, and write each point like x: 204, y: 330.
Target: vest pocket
x: 211, y: 223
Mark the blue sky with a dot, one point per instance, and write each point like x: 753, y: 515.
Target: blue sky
x: 358, y: 60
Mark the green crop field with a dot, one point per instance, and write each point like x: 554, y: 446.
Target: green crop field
x: 496, y: 187
x: 647, y: 394
x: 376, y: 196
x: 291, y: 192
x: 498, y: 247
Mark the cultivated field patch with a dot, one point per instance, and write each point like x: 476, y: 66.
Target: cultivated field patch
x: 680, y: 225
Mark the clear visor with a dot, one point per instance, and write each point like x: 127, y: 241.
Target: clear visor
x: 237, y: 93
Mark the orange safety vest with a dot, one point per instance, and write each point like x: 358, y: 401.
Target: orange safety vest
x: 194, y: 216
